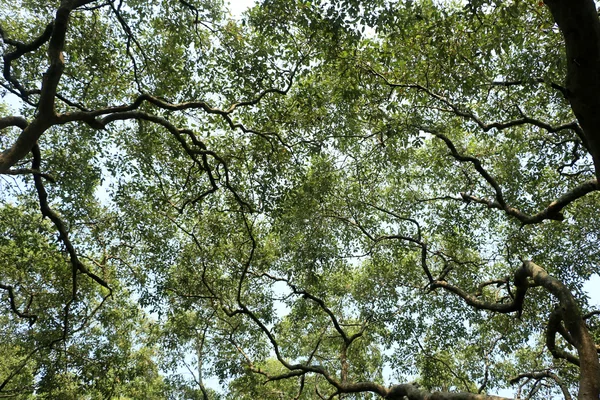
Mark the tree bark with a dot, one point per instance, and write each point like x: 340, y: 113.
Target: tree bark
x: 45, y: 115
x: 589, y: 376
x: 578, y: 21
x: 412, y: 392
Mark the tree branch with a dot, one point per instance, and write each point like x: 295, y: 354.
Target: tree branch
x: 551, y: 212
x: 554, y: 326
x: 22, y: 49
x: 553, y: 85
x: 60, y: 226
x: 13, y: 121
x: 13, y: 304
x: 413, y: 392
x: 579, y: 24
x: 544, y: 375
x: 27, y: 171
x: 470, y: 115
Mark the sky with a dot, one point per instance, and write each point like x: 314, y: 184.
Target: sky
x: 237, y: 7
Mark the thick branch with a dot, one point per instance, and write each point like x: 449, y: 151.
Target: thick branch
x: 413, y: 392
x: 46, y: 115
x: 567, y: 311
x: 20, y: 122
x: 555, y: 326
x: 589, y: 381
x: 579, y: 24
x: 520, y: 281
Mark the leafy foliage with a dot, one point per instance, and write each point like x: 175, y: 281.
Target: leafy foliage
x: 313, y: 200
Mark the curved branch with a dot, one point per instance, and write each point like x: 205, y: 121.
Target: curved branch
x: 337, y: 325
x: 553, y: 85
x: 89, y: 116
x: 554, y: 326
x: 591, y: 314
x: 300, y: 369
x: 60, y: 226
x: 13, y: 305
x: 19, y: 122
x: 22, y: 49
x: 418, y: 241
x: 520, y: 281
x: 470, y: 115
x: 200, y: 149
x: 413, y: 392
x: 551, y: 212
x: 475, y: 161
x: 543, y: 375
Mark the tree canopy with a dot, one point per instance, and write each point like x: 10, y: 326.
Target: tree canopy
x: 315, y: 200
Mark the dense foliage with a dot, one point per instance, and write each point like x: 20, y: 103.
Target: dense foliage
x: 315, y: 200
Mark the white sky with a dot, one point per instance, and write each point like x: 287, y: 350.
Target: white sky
x: 237, y: 7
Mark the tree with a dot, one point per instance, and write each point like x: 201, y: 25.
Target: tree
x: 300, y: 200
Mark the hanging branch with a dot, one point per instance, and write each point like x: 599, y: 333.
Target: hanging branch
x: 60, y: 227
